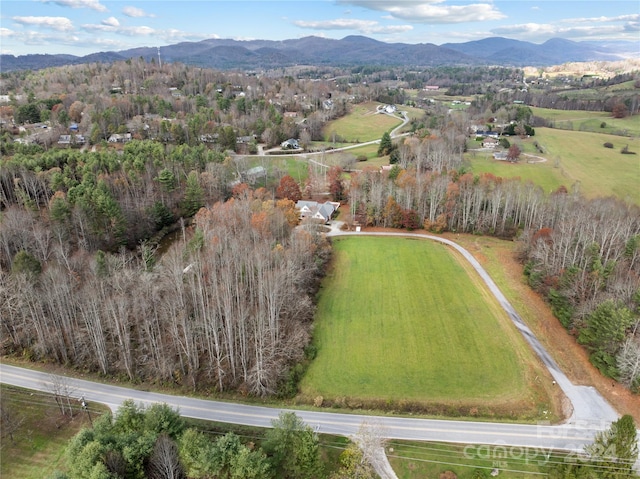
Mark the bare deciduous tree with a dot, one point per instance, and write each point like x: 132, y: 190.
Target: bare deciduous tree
x: 10, y: 420
x: 164, y: 462
x: 62, y: 392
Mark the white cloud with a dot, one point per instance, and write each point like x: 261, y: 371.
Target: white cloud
x: 121, y: 30
x: 621, y: 27
x: 55, y: 23
x: 170, y: 35
x: 619, y: 18
x: 135, y: 12
x: 432, y: 11
x: 363, y: 26
x: 544, y: 31
x: 5, y: 32
x: 173, y: 35
x: 111, y: 22
x: 92, y: 4
x: 40, y: 38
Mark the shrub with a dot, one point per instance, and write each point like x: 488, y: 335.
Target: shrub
x: 608, y: 145
x: 361, y: 158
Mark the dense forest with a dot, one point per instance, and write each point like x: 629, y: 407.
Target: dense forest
x: 227, y: 302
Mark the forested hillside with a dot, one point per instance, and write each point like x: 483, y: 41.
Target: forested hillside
x: 229, y: 306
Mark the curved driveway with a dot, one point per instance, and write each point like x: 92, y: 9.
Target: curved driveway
x: 589, y: 407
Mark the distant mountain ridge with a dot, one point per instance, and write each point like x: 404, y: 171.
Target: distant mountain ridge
x: 349, y: 51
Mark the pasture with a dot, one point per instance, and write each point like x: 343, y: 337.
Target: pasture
x: 574, y: 159
x: 360, y: 125
x: 402, y: 321
x: 590, y: 121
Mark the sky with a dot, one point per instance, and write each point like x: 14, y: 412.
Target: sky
x: 80, y: 27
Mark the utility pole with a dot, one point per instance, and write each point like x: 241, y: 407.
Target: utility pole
x: 84, y: 406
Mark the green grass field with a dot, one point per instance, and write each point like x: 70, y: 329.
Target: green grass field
x: 591, y: 121
x: 402, y: 320
x: 575, y: 159
x: 40, y: 441
x: 362, y: 124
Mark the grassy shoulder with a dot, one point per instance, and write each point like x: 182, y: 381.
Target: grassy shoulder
x: 403, y: 324
x: 413, y: 460
x: 40, y: 439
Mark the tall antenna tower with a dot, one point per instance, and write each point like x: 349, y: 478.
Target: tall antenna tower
x: 159, y: 59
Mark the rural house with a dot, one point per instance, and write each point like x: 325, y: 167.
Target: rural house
x: 317, y: 211
x: 290, y: 144
x: 489, y: 142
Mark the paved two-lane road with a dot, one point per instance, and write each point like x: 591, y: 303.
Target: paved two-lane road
x: 568, y: 437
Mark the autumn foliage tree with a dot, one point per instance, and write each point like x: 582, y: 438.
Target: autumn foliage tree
x: 513, y: 153
x: 620, y: 110
x: 336, y: 184
x: 288, y: 189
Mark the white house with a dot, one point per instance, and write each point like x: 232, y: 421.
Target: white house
x: 317, y: 211
x: 117, y: 138
x: 290, y: 144
x: 489, y: 142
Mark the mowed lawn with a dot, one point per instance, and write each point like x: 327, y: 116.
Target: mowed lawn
x: 401, y: 318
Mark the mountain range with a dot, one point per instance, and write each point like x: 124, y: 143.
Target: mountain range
x: 349, y: 51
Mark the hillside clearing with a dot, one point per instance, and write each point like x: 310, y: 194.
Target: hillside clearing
x: 577, y: 160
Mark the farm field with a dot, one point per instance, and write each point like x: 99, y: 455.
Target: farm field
x: 579, y: 120
x: 401, y: 320
x: 583, y: 163
x: 362, y: 124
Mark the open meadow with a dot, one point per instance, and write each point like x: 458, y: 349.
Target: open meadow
x: 575, y: 159
x: 360, y: 125
x: 593, y: 121
x: 402, y: 321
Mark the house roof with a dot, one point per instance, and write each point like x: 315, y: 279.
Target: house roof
x: 317, y: 210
